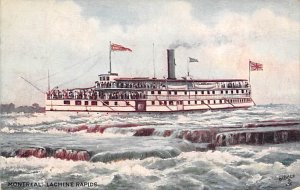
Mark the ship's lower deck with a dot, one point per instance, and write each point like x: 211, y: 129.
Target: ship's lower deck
x: 145, y: 105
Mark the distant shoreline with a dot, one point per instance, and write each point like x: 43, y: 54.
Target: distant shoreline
x: 11, y: 108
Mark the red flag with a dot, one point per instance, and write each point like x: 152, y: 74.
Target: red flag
x: 255, y: 66
x: 116, y: 47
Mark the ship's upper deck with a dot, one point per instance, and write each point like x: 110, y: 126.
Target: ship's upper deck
x: 115, y: 77
x: 113, y: 82
x: 147, y: 79
x: 111, y: 86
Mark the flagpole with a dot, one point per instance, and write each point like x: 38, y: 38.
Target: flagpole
x: 249, y: 70
x: 153, y: 60
x: 188, y: 69
x: 48, y: 81
x: 109, y: 57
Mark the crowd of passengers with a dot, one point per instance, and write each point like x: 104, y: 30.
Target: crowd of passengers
x: 161, y: 85
x: 129, y: 85
x: 92, y: 94
x: 233, y: 85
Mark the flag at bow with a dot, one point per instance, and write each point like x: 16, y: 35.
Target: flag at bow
x: 117, y: 47
x: 255, y: 66
x: 193, y: 60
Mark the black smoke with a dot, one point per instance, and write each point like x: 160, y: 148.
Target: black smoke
x: 183, y: 44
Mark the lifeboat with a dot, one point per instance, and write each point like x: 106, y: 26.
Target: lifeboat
x: 177, y: 87
x: 205, y: 85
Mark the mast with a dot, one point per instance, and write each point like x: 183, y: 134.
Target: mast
x: 48, y: 81
x: 188, y: 69
x: 109, y: 57
x: 153, y: 61
x: 249, y: 70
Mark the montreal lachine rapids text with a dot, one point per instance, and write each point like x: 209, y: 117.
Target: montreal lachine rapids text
x: 52, y: 184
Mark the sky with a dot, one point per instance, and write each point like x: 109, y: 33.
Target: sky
x: 71, y: 40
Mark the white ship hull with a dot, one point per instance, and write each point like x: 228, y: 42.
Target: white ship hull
x: 58, y: 106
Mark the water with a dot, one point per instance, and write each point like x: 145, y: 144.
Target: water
x: 119, y: 158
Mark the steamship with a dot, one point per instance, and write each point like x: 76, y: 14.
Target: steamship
x: 112, y: 93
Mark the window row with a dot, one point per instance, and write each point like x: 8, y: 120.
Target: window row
x: 102, y: 78
x: 94, y: 103
x: 201, y: 92
x: 78, y: 102
x: 169, y: 102
x: 233, y: 91
x: 204, y: 102
x: 243, y: 100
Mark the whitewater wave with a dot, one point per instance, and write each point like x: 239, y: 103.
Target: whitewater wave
x: 165, y: 151
x: 132, y: 155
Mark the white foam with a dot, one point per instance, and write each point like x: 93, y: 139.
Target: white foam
x: 216, y: 157
x: 32, y: 131
x: 135, y: 170
x: 46, y: 166
x: 101, y: 135
x: 254, y: 179
x: 264, y: 168
x: 120, y: 131
x: 34, y: 119
x: 7, y: 130
x: 123, y: 167
x: 183, y: 119
x: 55, y: 131
x: 108, y: 133
x: 223, y: 175
x: 102, y: 180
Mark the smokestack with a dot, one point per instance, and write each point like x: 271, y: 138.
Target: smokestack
x: 171, y: 64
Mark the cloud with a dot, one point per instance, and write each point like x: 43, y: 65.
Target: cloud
x: 37, y: 35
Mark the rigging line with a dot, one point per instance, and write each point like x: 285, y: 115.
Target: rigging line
x: 64, y: 69
x: 82, y: 74
x: 32, y: 85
